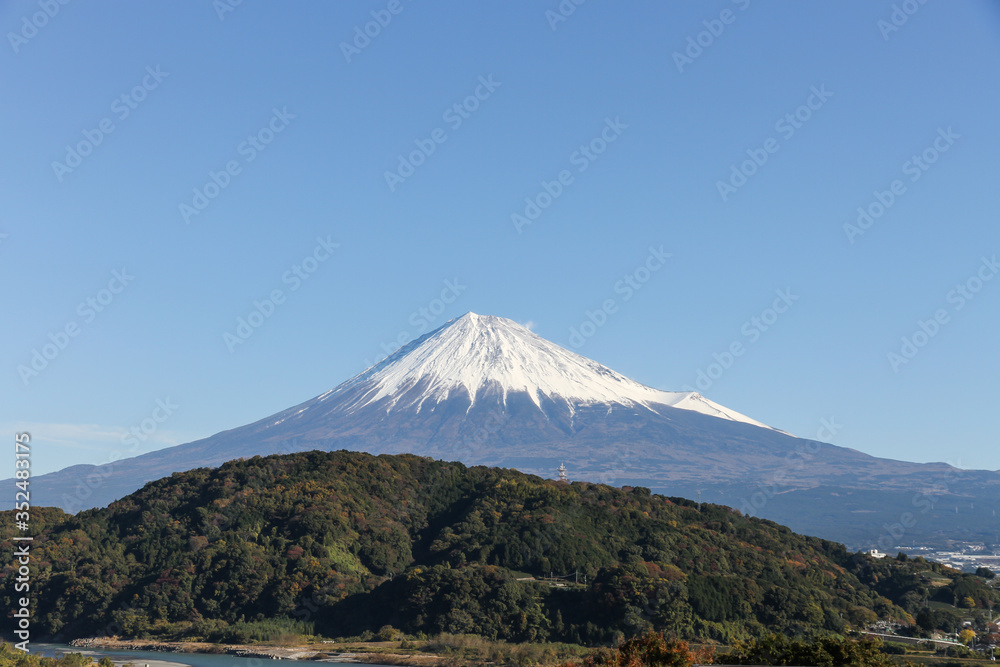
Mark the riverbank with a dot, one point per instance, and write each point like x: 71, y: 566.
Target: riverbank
x: 352, y: 652
x: 440, y: 651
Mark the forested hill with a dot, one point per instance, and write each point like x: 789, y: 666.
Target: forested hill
x: 350, y: 542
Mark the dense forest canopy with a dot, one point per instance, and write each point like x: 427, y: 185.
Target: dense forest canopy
x: 344, y: 542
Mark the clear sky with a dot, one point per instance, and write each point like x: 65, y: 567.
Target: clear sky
x: 167, y: 165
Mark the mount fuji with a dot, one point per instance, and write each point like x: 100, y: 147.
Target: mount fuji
x: 487, y: 359
x: 485, y: 390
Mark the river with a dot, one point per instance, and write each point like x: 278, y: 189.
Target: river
x: 163, y: 659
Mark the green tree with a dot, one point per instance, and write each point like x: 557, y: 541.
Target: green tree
x: 820, y: 652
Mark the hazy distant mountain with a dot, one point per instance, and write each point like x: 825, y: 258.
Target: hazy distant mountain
x: 485, y: 390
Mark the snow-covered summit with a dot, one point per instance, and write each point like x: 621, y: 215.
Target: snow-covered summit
x: 477, y: 355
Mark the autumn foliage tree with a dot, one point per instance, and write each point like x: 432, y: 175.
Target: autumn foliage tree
x: 650, y: 650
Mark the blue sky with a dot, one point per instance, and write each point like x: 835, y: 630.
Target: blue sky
x: 173, y: 163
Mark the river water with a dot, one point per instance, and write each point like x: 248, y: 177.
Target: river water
x: 156, y: 658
